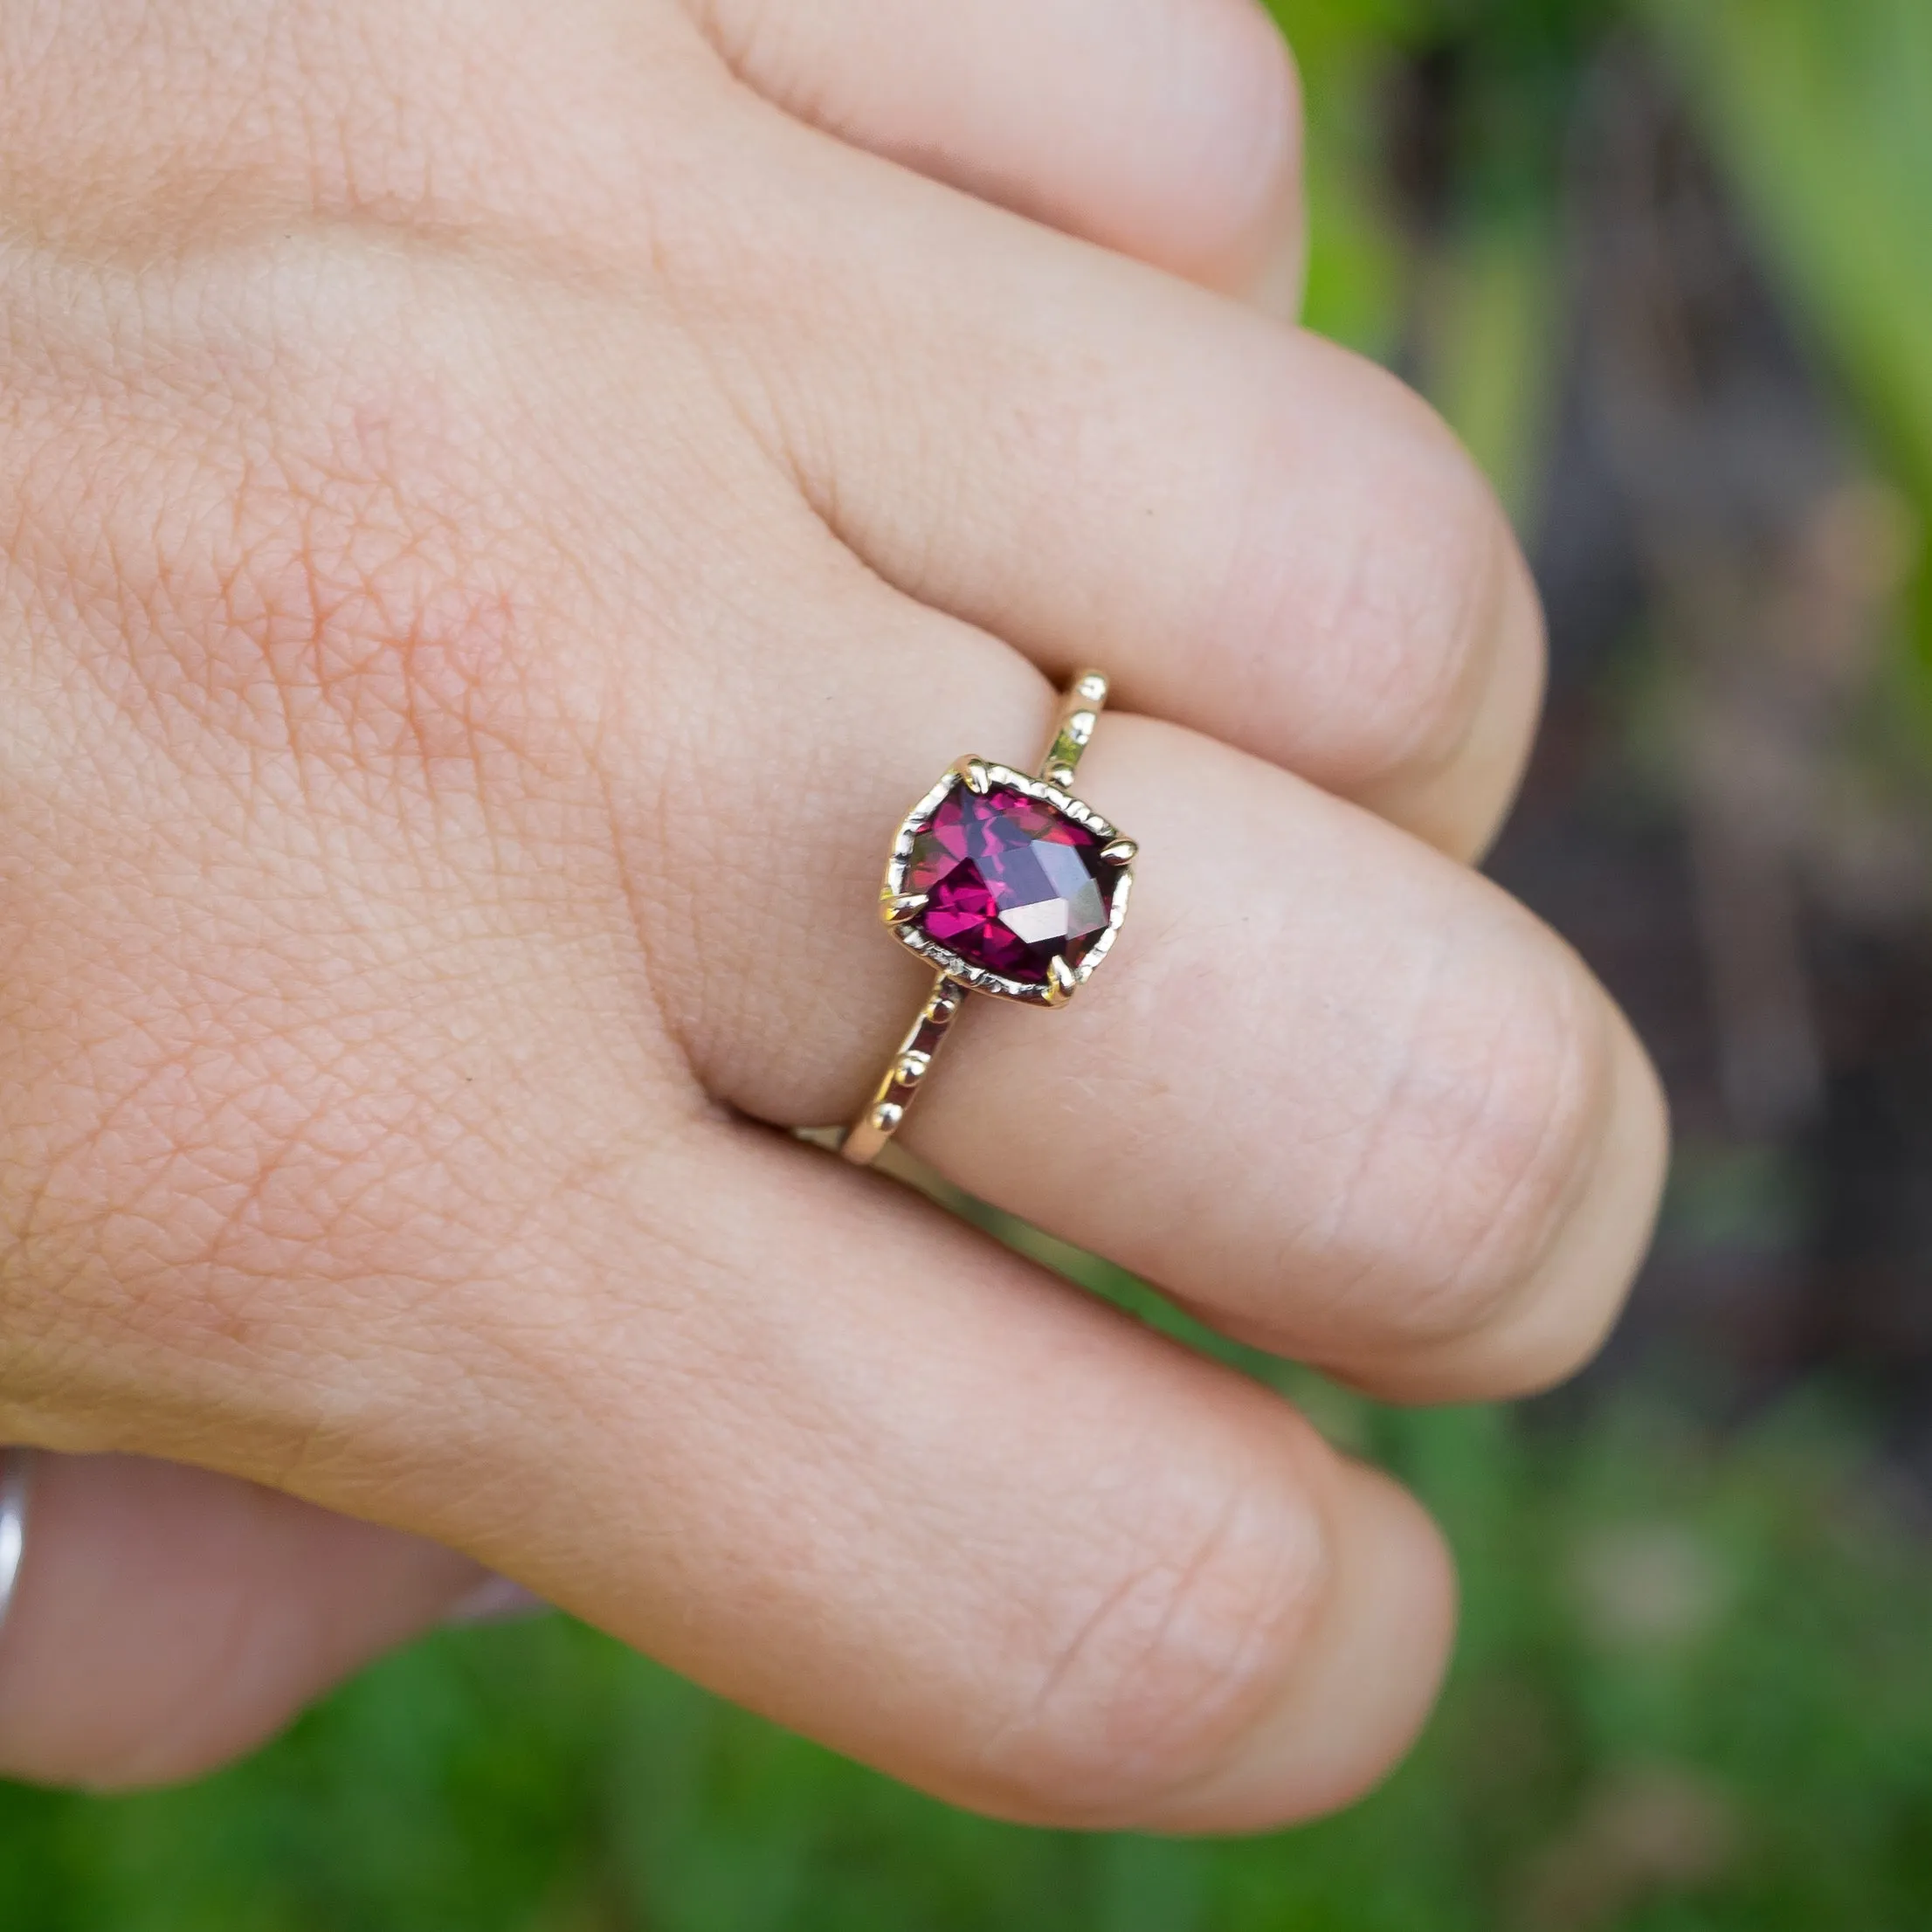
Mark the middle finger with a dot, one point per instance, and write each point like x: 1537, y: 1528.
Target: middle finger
x: 1272, y: 541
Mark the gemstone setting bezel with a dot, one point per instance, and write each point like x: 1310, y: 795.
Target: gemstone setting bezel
x: 912, y: 935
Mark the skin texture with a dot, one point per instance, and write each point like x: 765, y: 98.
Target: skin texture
x: 500, y: 513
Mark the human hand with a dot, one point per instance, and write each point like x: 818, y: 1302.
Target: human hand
x: 502, y: 515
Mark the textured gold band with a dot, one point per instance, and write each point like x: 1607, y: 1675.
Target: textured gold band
x: 864, y: 1140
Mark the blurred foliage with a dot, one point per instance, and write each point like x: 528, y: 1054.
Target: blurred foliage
x: 1693, y: 1688
x: 1823, y: 115
x: 1458, y: 223
x: 1818, y: 111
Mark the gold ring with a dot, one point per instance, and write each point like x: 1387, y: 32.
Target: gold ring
x: 1006, y: 885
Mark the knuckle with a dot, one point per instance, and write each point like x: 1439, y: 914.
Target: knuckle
x: 1568, y: 1301
x: 1399, y: 569
x: 1504, y: 1096
x: 1170, y: 1647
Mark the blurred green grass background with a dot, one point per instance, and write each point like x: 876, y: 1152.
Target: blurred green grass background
x: 1695, y: 1683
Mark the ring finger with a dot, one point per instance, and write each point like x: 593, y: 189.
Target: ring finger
x: 1342, y: 1094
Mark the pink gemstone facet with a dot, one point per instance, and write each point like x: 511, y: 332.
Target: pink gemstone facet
x: 1011, y: 882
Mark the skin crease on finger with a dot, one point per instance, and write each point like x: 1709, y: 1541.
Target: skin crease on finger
x: 1347, y: 1100
x: 390, y: 645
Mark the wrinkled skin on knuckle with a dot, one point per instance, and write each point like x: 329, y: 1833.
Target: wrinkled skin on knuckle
x: 1160, y: 1650
x: 1486, y: 1136
x: 1388, y: 569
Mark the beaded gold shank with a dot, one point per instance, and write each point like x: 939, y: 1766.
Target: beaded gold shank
x: 905, y: 908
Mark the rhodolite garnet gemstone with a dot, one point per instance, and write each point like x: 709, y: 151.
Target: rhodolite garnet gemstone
x: 1010, y: 882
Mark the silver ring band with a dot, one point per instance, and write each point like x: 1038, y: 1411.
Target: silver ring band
x: 15, y: 1481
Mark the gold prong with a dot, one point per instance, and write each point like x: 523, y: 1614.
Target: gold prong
x: 902, y: 908
x: 1062, y: 982
x: 973, y: 771
x: 1120, y: 851
x: 1061, y: 776
x: 912, y: 1068
x: 887, y: 1115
